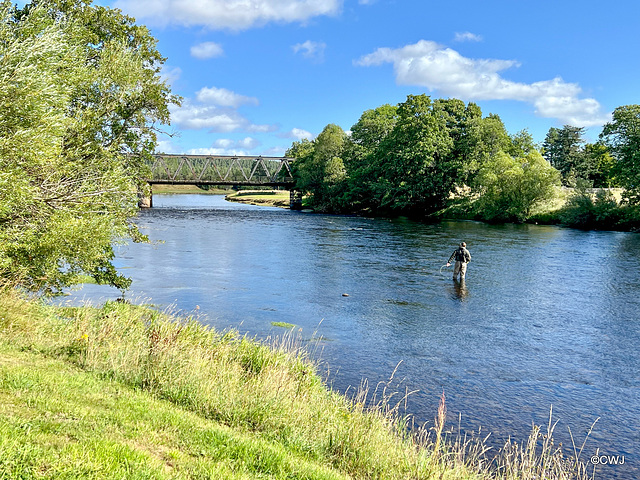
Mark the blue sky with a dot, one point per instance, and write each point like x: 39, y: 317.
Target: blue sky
x: 258, y: 74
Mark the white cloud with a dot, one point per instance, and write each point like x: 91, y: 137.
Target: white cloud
x: 436, y: 67
x: 467, y: 37
x: 213, y: 118
x: 274, y: 152
x: 311, y: 50
x: 166, y: 145
x: 206, y: 50
x: 170, y: 74
x: 248, y: 142
x: 223, y: 97
x: 227, y: 14
x: 216, y: 151
x: 298, y: 134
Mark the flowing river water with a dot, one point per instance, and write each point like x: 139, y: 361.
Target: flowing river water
x: 549, y: 318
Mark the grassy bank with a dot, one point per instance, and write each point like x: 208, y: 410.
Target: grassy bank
x: 267, y: 198
x: 126, y: 392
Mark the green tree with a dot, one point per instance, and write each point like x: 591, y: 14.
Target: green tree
x: 319, y: 169
x: 80, y: 101
x: 622, y: 137
x: 597, y: 165
x: 463, y: 124
x: 367, y: 133
x: 586, y: 210
x: 563, y: 149
x: 412, y: 168
x: 510, y: 187
x: 522, y: 143
x: 374, y: 125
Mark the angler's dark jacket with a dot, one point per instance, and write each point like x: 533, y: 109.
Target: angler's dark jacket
x: 460, y: 254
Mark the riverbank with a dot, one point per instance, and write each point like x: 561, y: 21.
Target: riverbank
x: 267, y: 198
x: 123, y: 390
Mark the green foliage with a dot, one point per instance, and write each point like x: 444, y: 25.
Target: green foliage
x: 80, y: 98
x: 599, y: 165
x: 509, y: 187
x: 566, y: 150
x: 587, y: 210
x: 414, y: 171
x: 622, y: 136
x: 319, y: 168
x: 410, y: 159
x: 562, y: 149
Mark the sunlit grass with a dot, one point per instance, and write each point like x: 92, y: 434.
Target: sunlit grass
x: 127, y: 392
x: 272, y: 198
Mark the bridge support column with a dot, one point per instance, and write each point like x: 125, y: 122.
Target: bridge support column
x: 145, y: 198
x: 295, y: 199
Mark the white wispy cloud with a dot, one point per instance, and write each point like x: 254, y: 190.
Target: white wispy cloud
x: 170, y: 74
x: 248, y: 142
x: 166, y: 145
x: 310, y: 50
x: 467, y: 37
x: 226, y: 14
x: 216, y: 151
x: 439, y: 68
x: 223, y: 97
x: 198, y: 116
x: 206, y: 50
x: 297, y: 134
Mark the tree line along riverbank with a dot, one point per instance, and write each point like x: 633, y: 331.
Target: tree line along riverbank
x: 123, y: 390
x: 427, y: 158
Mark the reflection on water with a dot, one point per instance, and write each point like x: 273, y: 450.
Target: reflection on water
x: 460, y: 290
x: 547, y: 316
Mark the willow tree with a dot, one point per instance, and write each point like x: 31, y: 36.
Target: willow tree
x: 509, y: 187
x: 81, y: 99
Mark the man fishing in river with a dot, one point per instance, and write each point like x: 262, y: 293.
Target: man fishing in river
x: 462, y: 257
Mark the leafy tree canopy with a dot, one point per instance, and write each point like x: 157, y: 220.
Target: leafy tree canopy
x: 509, y: 187
x: 622, y: 136
x: 81, y: 99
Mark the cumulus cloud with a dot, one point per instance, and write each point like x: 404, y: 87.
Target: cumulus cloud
x: 197, y: 116
x: 310, y: 50
x: 436, y: 67
x: 165, y: 145
x: 223, y: 97
x: 298, y: 134
x: 227, y: 14
x: 467, y: 37
x: 206, y: 50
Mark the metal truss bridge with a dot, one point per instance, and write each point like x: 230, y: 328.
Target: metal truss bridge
x: 223, y: 170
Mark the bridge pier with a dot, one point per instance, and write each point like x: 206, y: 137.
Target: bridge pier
x: 295, y: 199
x: 145, y: 199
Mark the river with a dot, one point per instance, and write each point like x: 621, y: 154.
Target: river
x: 548, y: 317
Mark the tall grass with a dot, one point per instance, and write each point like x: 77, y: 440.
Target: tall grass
x: 270, y: 390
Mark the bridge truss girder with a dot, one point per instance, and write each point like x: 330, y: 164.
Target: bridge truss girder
x: 221, y: 170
